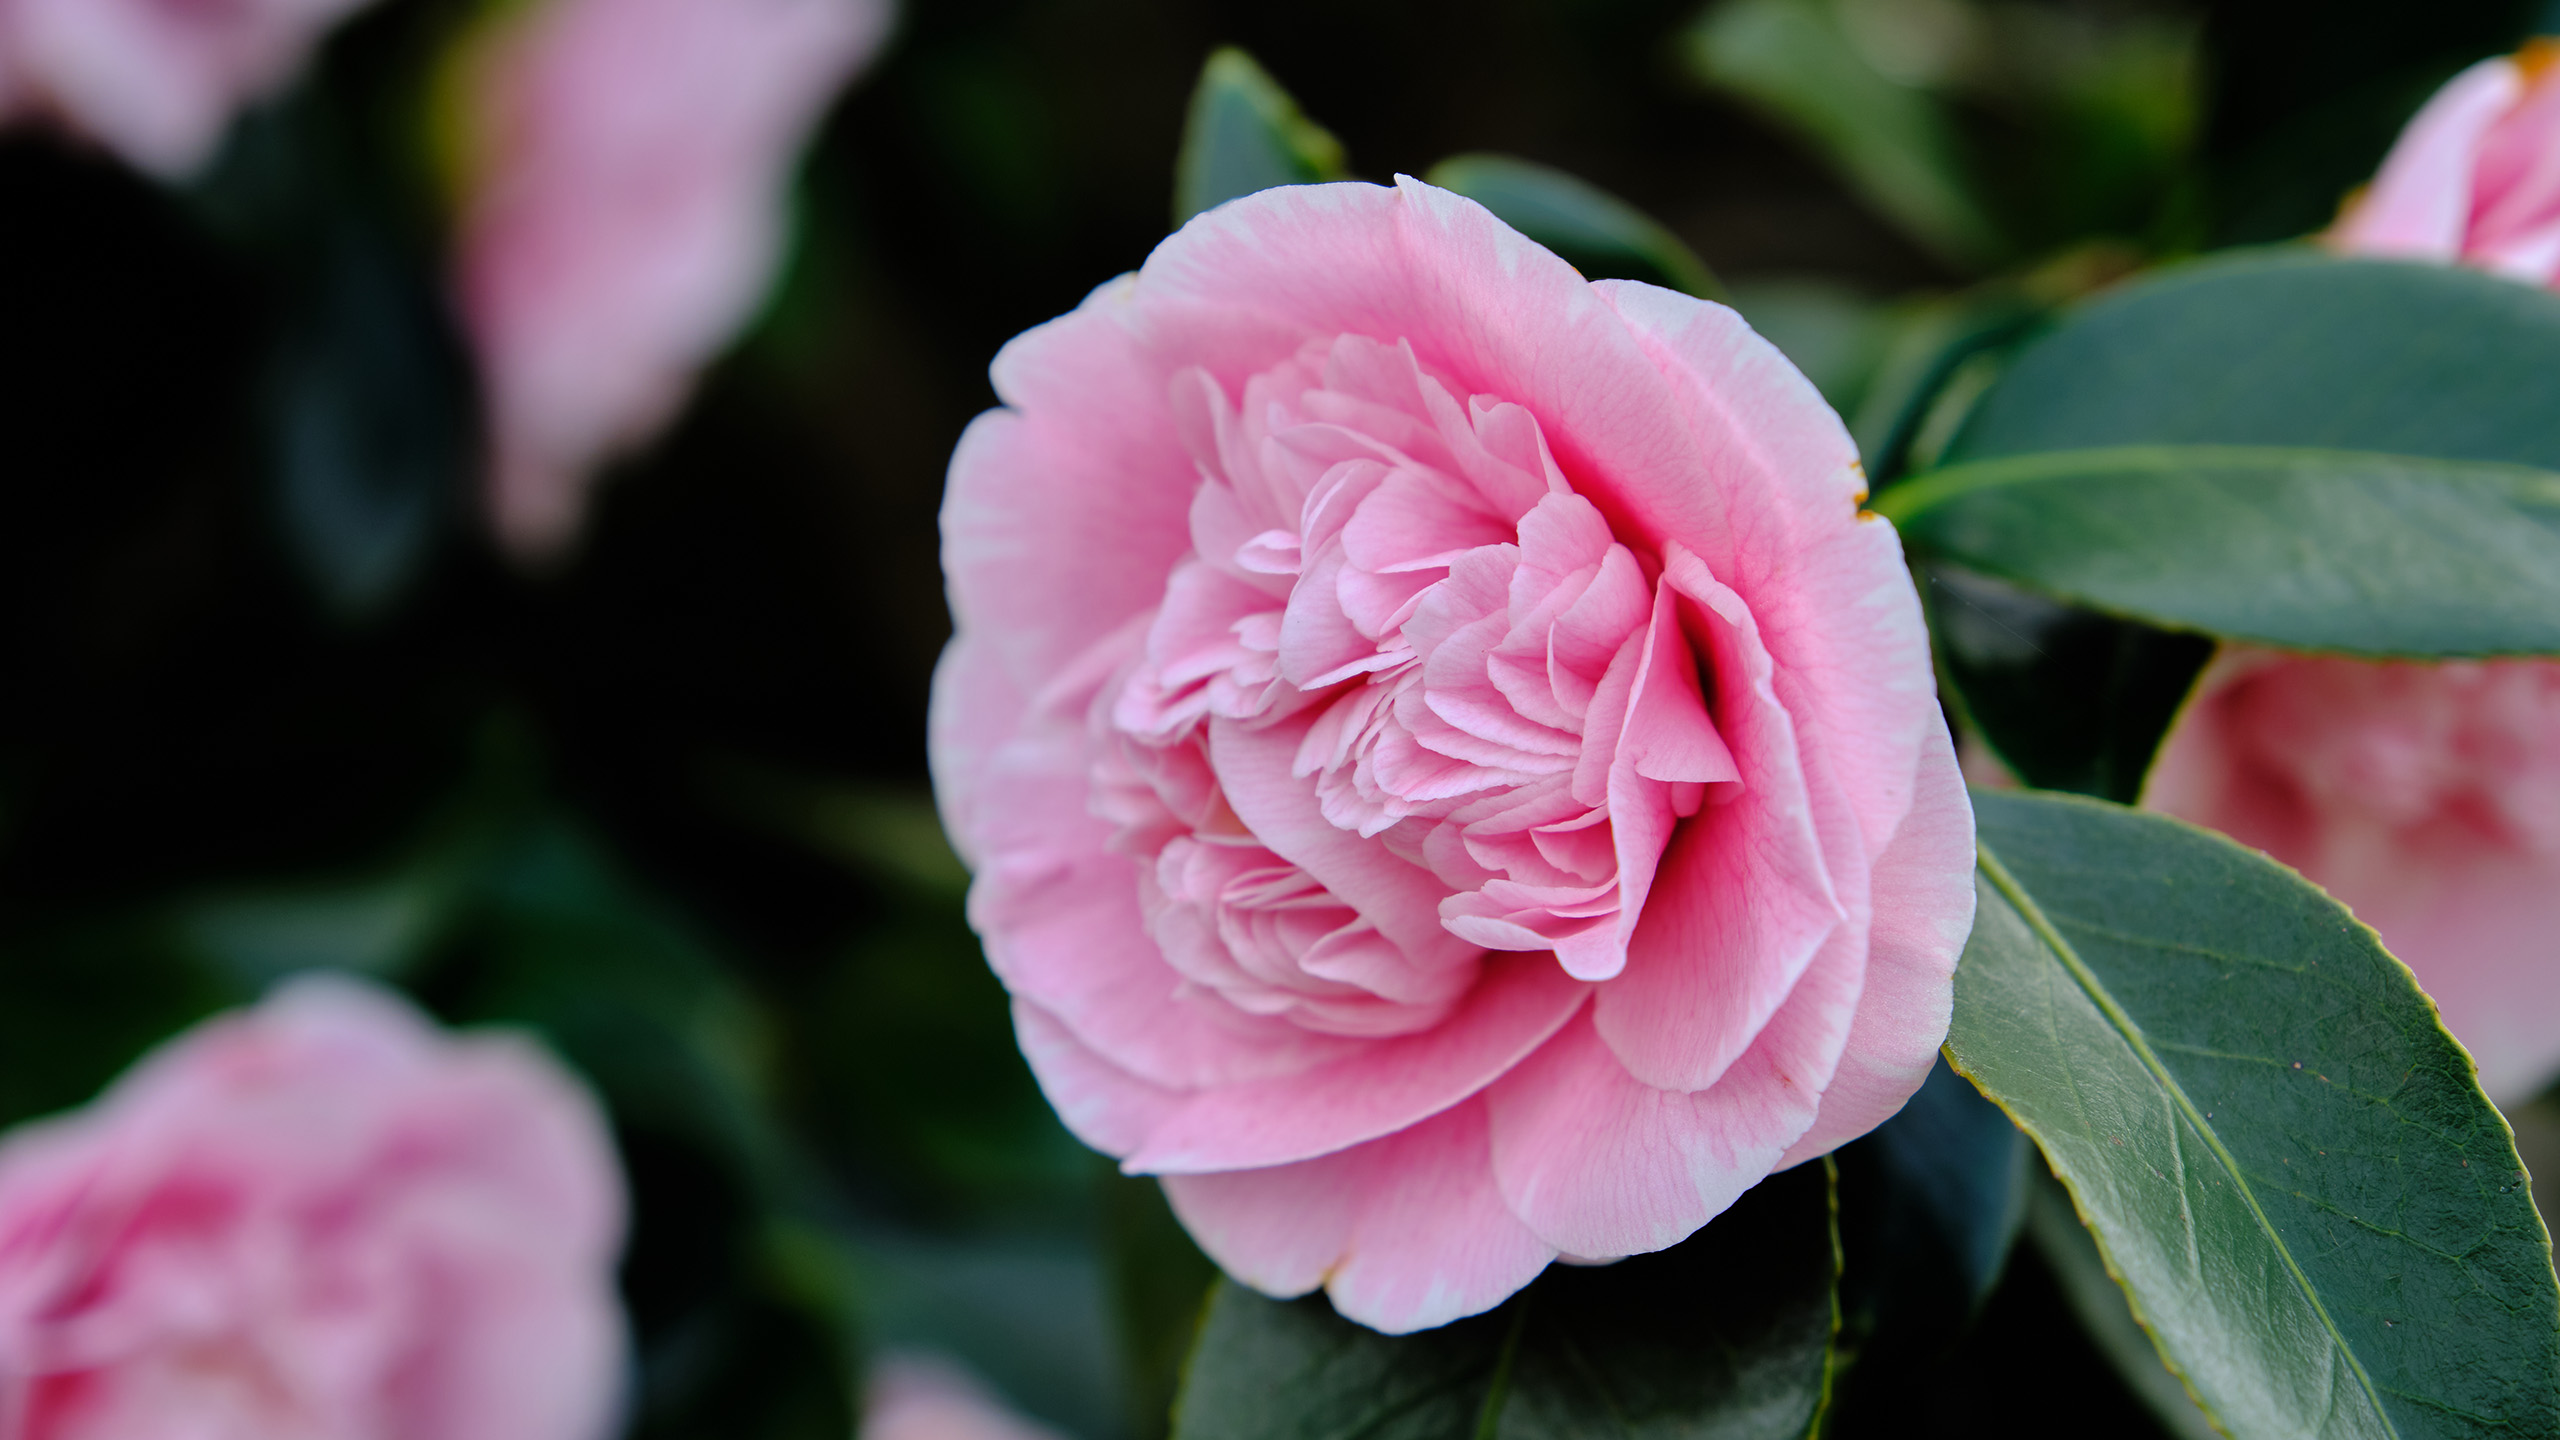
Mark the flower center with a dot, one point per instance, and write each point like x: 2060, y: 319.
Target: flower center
x: 1402, y: 638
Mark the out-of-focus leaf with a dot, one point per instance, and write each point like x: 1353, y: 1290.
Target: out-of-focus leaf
x: 883, y: 833
x: 2099, y: 1301
x: 2068, y: 698
x: 1836, y: 336
x: 1245, y: 134
x: 380, y: 927
x: 2330, y: 550
x: 78, y: 1005
x: 1893, y: 140
x: 367, y: 415
x: 369, y: 421
x: 1599, y: 234
x: 1031, y: 1314
x: 2285, y: 1158
x: 1160, y: 1285
x: 1923, y: 353
x: 1727, y: 1334
x: 1930, y: 1204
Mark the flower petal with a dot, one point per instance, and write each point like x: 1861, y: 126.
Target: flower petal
x: 1406, y: 1232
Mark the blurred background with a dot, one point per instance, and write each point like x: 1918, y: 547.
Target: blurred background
x: 272, y: 698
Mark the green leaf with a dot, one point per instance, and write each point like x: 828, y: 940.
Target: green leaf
x: 1893, y: 140
x: 1245, y: 134
x: 1835, y: 335
x: 1927, y: 349
x: 2337, y: 550
x: 2095, y: 1297
x: 1727, y: 1334
x: 2285, y: 1158
x: 2291, y: 348
x: 1599, y: 234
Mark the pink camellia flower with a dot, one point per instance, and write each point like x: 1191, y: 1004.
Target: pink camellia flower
x: 1453, y: 779
x: 2425, y: 796
x: 626, y: 170
x: 316, y: 1220
x: 2476, y: 176
x: 155, y: 81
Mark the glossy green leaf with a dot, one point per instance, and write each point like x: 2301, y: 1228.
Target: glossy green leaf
x: 2080, y: 1271
x: 2338, y: 550
x: 2285, y: 1158
x: 1894, y: 141
x: 1599, y: 234
x: 1245, y: 134
x: 2291, y: 348
x: 1728, y: 1334
x: 1932, y: 343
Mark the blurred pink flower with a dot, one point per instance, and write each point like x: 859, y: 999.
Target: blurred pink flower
x: 626, y: 176
x: 155, y: 81
x: 2476, y: 176
x: 319, y: 1219
x: 2425, y: 796
x: 1453, y: 777
x: 924, y: 1397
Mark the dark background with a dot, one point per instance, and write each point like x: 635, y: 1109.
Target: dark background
x: 666, y: 799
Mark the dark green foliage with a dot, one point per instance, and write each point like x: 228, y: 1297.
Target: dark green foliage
x: 1727, y: 1334
x: 1245, y: 134
x: 1597, y: 233
x: 2288, y: 1162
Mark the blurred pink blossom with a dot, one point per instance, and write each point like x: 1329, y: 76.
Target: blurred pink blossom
x: 319, y: 1219
x: 2476, y: 176
x: 624, y: 212
x: 914, y: 1396
x: 155, y: 81
x: 2425, y: 796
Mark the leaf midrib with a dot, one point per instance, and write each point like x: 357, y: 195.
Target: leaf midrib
x: 2131, y: 1033
x: 1922, y: 493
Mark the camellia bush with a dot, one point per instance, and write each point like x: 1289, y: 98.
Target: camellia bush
x: 1511, y: 836
x: 1458, y: 788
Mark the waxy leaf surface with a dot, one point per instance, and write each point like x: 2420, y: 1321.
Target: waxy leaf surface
x: 2285, y: 1158
x: 2336, y: 550
x: 1245, y: 134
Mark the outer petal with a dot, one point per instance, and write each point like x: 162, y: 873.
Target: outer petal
x: 975, y: 708
x: 1063, y: 515
x: 1376, y: 1089
x: 1239, y: 288
x: 1924, y: 901
x: 1406, y: 1232
x: 2420, y: 204
x: 1101, y: 1104
x: 1059, y: 914
x: 1600, y: 1164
